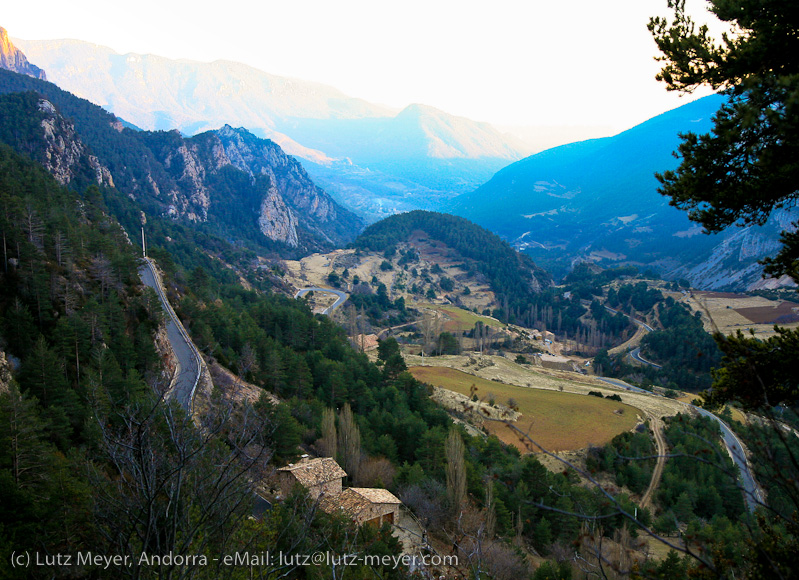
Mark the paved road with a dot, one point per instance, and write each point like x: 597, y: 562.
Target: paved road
x: 188, y: 370
x: 625, y: 386
x: 731, y: 442
x: 635, y: 320
x: 636, y: 356
x: 342, y: 297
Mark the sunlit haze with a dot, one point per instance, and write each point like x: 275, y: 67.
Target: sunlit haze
x: 577, y: 63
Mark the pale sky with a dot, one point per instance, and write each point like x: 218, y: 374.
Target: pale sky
x: 508, y: 62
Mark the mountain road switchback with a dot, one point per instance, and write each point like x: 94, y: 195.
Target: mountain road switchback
x: 342, y: 297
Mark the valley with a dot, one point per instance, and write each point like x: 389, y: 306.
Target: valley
x: 311, y: 357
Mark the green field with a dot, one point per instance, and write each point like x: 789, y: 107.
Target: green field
x: 460, y: 320
x: 556, y: 421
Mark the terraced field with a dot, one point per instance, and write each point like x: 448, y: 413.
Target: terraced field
x: 555, y: 420
x: 460, y: 320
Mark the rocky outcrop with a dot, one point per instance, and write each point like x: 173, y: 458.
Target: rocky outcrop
x: 733, y: 264
x: 243, y: 188
x: 64, y: 155
x: 11, y: 58
x: 5, y: 373
x: 315, y: 209
x: 284, y: 204
x: 276, y: 220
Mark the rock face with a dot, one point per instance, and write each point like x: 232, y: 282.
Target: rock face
x: 11, y: 58
x: 64, y: 154
x: 732, y: 263
x: 221, y: 174
x: 301, y: 196
x: 5, y: 373
x: 239, y: 186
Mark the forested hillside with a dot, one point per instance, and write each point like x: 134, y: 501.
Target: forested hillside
x: 228, y: 182
x: 513, y: 276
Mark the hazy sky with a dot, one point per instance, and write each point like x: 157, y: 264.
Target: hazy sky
x: 509, y: 62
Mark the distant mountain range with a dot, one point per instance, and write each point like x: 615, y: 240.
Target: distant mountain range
x: 597, y: 200
x: 594, y: 200
x: 372, y: 158
x: 227, y: 182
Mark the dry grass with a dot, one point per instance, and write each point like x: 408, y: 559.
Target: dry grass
x: 506, y: 371
x: 557, y: 421
x: 460, y: 320
x: 731, y: 312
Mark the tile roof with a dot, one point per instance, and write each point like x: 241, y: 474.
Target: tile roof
x: 315, y: 471
x: 376, y: 495
x: 354, y: 500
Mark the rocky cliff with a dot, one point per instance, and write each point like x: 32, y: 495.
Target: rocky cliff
x: 320, y: 214
x: 11, y: 58
x: 64, y: 155
x: 236, y: 185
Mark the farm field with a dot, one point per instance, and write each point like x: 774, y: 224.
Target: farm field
x: 556, y: 420
x: 730, y: 312
x: 460, y: 320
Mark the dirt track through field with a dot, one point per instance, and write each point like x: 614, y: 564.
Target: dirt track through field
x: 657, y: 473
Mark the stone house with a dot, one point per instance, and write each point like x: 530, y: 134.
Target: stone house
x: 364, y: 505
x: 320, y: 476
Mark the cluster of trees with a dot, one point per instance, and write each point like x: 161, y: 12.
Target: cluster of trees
x: 640, y: 297
x: 692, y: 488
x: 513, y: 276
x: 588, y: 280
x: 684, y: 348
x: 629, y: 456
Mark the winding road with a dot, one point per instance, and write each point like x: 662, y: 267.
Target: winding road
x: 342, y: 297
x: 750, y: 489
x: 635, y: 354
x: 189, y: 363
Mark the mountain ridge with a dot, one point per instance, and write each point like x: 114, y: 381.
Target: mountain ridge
x: 597, y: 200
x: 270, y: 199
x: 354, y: 145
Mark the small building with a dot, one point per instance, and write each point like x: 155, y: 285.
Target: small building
x: 364, y: 505
x: 320, y: 476
x: 365, y: 342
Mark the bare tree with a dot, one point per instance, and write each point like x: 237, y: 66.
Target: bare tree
x: 328, y: 444
x: 172, y: 488
x: 456, y: 471
x: 349, y: 441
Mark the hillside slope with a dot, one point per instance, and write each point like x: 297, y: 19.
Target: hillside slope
x: 239, y: 186
x: 598, y: 200
x: 513, y: 277
x: 371, y: 157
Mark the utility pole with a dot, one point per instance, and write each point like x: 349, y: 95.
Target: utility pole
x: 143, y: 247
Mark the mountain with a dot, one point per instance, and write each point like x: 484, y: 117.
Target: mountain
x: 369, y: 156
x: 11, y: 58
x: 513, y: 277
x: 598, y: 200
x: 228, y: 181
